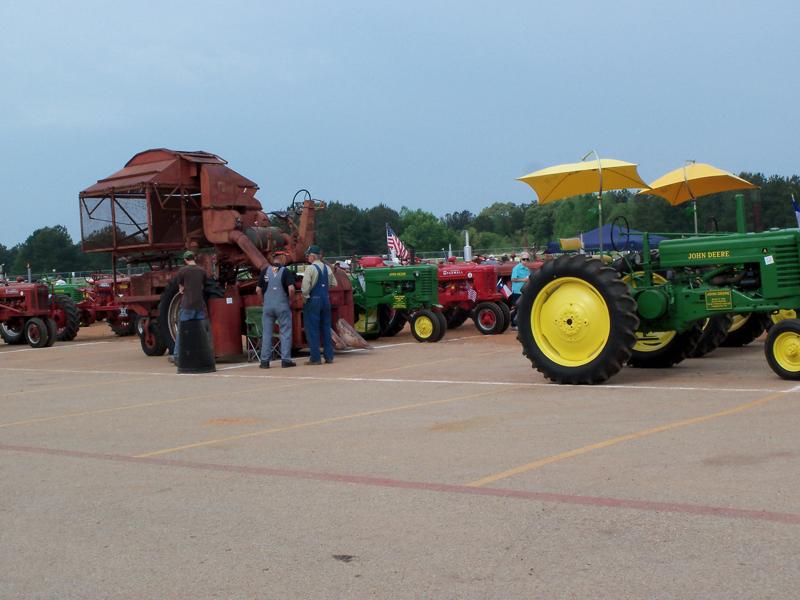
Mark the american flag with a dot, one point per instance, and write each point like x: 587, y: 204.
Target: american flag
x: 503, y: 288
x: 396, y: 247
x: 471, y: 293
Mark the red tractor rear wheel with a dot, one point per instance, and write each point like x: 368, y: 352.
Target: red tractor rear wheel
x: 489, y: 319
x: 67, y: 317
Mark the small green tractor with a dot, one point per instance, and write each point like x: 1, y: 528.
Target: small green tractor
x: 581, y: 319
x: 386, y: 297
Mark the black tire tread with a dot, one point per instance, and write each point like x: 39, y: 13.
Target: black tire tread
x: 72, y: 317
x: 674, y: 352
x: 712, y: 336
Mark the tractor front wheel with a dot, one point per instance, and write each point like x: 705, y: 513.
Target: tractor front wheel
x: 123, y: 326
x: 150, y: 339
x: 782, y: 348
x: 506, y: 314
x: 36, y: 333
x: 442, y: 325
x: 12, y: 332
x: 425, y: 326
x: 52, y: 331
x: 576, y: 320
x: 489, y: 318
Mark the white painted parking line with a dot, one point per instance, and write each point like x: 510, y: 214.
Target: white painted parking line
x: 59, y: 347
x: 238, y: 366
x: 463, y: 382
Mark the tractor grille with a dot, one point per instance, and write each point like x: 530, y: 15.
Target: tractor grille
x: 426, y: 284
x: 788, y: 265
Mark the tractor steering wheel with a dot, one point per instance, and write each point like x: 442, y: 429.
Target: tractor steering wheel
x: 296, y: 202
x: 627, y: 235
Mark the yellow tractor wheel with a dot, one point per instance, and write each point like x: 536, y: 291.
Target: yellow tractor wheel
x: 576, y: 320
x: 782, y: 348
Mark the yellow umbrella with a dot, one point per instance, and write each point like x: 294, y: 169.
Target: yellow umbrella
x: 693, y: 181
x: 573, y: 179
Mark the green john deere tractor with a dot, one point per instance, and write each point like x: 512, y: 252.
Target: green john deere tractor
x: 580, y: 320
x: 386, y: 297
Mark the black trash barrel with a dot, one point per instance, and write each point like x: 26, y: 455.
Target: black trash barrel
x: 195, y: 352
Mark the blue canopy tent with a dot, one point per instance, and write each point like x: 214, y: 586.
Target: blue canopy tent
x: 591, y: 240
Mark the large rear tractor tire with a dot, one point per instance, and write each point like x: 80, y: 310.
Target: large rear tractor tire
x: 663, y: 349
x: 455, y: 317
x: 745, y: 329
x: 782, y: 348
x: 13, y: 332
x: 150, y: 338
x: 714, y: 331
x: 576, y: 320
x: 67, y: 317
x: 168, y: 314
x: 488, y: 317
x: 392, y: 321
x: 425, y: 326
x: 36, y: 334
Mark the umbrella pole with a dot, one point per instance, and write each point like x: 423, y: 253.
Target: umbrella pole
x: 600, y: 220
x: 695, y: 217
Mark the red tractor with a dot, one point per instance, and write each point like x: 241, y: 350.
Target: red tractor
x: 26, y: 314
x: 471, y: 290
x: 103, y: 300
x: 164, y: 202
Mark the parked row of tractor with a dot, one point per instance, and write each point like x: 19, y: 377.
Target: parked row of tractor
x: 40, y: 313
x: 580, y: 318
x: 431, y: 298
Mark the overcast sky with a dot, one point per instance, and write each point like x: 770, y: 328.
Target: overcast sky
x: 438, y: 105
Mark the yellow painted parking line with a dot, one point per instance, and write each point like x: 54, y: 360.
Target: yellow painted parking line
x: 58, y: 388
x: 624, y: 438
x: 100, y: 411
x: 326, y: 421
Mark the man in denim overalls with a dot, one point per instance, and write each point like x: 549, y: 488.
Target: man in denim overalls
x: 273, y: 285
x: 317, y: 279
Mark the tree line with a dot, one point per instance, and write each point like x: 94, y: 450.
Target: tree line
x: 347, y: 230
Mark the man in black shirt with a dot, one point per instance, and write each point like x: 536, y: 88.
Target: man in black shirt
x: 191, y: 283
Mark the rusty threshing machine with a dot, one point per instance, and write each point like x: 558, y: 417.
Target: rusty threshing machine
x: 164, y: 202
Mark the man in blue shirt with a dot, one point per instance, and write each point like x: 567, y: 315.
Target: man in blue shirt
x: 520, y: 274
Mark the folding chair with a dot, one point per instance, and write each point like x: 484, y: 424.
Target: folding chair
x: 253, y: 327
